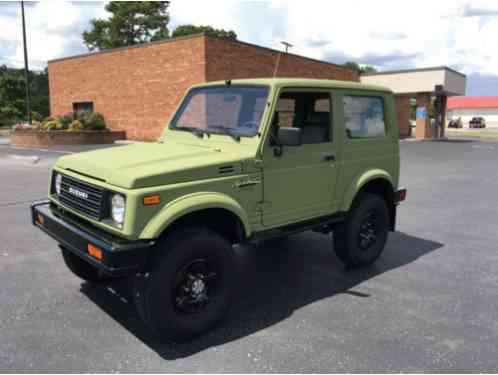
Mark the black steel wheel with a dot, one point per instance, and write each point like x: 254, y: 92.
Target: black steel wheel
x: 189, y: 287
x: 195, y: 286
x: 361, y: 238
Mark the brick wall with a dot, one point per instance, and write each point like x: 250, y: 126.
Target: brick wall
x: 229, y: 59
x: 138, y: 88
x: 403, y: 112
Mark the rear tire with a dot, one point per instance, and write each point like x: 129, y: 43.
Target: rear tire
x: 361, y: 238
x: 82, y: 269
x: 189, y: 288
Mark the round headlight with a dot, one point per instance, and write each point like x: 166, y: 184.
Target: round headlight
x: 118, y: 208
x: 58, y: 183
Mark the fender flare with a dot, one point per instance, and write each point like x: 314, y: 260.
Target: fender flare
x: 191, y: 203
x: 360, y: 181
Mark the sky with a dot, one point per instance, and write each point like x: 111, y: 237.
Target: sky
x: 388, y: 34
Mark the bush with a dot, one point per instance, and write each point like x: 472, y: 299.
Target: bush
x: 94, y: 121
x: 76, y: 125
x: 22, y: 126
x: 35, y: 116
x: 50, y: 125
x: 65, y: 120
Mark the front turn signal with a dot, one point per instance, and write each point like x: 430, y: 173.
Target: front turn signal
x: 151, y: 200
x: 94, y: 251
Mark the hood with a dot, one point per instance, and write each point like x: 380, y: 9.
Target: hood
x: 152, y: 164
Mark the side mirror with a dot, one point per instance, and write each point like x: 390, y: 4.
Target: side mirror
x: 290, y: 136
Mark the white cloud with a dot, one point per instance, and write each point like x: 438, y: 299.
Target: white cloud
x: 53, y: 30
x: 389, y: 34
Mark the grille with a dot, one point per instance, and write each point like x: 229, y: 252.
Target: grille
x: 83, y: 197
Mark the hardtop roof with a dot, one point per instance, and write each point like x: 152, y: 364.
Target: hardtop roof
x: 300, y: 82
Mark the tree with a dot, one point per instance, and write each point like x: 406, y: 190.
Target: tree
x: 359, y: 69
x: 13, y: 95
x: 131, y: 22
x: 184, y: 30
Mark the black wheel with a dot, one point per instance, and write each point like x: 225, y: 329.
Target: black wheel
x: 82, y: 269
x: 189, y: 288
x: 359, y: 241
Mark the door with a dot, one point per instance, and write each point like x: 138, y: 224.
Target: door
x: 299, y: 183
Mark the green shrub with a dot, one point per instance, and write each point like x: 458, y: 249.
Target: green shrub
x: 76, y: 125
x: 94, y: 121
x: 35, y: 116
x: 50, y: 125
x: 65, y: 120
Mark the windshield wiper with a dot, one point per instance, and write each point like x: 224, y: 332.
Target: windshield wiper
x: 198, y: 132
x: 226, y: 130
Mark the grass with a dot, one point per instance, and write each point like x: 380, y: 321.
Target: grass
x: 4, y: 132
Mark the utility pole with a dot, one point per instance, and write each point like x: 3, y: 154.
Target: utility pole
x: 26, y: 70
x: 287, y: 45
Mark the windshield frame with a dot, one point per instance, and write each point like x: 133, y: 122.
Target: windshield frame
x: 180, y: 110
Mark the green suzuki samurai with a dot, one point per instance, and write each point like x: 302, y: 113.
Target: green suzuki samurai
x: 240, y: 161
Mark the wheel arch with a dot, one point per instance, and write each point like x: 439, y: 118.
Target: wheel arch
x: 377, y: 182
x: 216, y: 211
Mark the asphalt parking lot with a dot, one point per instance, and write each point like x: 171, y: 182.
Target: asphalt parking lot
x: 430, y: 303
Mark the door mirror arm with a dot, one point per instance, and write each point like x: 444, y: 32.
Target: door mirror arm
x: 278, y: 150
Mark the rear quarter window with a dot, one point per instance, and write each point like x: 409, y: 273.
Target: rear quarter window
x: 364, y: 117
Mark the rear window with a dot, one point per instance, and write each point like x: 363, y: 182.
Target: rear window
x: 364, y: 117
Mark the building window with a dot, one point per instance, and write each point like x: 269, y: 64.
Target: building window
x: 83, y: 107
x: 364, y: 117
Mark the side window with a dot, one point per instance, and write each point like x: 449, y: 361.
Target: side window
x: 364, y: 117
x: 311, y: 111
x: 286, y: 111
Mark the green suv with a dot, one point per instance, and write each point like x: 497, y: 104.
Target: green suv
x: 240, y: 161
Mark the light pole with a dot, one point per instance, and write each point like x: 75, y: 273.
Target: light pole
x: 26, y: 70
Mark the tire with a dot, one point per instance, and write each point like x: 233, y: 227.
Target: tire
x: 82, y: 269
x: 170, y: 298
x: 361, y: 238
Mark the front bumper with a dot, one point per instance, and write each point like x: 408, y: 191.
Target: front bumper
x: 119, y: 256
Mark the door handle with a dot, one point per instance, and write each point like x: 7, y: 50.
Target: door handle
x: 329, y: 157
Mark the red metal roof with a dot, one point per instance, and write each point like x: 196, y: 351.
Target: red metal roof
x: 472, y: 102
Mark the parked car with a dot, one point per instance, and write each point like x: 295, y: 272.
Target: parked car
x: 477, y: 122
x: 456, y: 123
x: 239, y: 162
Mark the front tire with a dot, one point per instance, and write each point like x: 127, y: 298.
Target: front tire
x: 189, y: 288
x: 361, y: 238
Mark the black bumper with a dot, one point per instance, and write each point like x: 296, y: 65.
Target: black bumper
x: 119, y: 257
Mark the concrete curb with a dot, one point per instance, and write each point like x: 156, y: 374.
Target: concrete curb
x: 29, y: 159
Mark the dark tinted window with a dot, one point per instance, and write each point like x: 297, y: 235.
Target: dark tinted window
x: 83, y: 107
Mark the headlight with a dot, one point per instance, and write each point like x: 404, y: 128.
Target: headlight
x: 118, y: 208
x: 58, y: 183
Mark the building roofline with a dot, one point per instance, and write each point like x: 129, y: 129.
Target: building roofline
x: 415, y: 70
x: 275, y: 50
x: 119, y: 49
x: 192, y: 36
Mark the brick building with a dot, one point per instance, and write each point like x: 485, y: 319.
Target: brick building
x: 137, y: 88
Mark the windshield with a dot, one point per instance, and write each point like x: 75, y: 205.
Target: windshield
x: 232, y: 110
